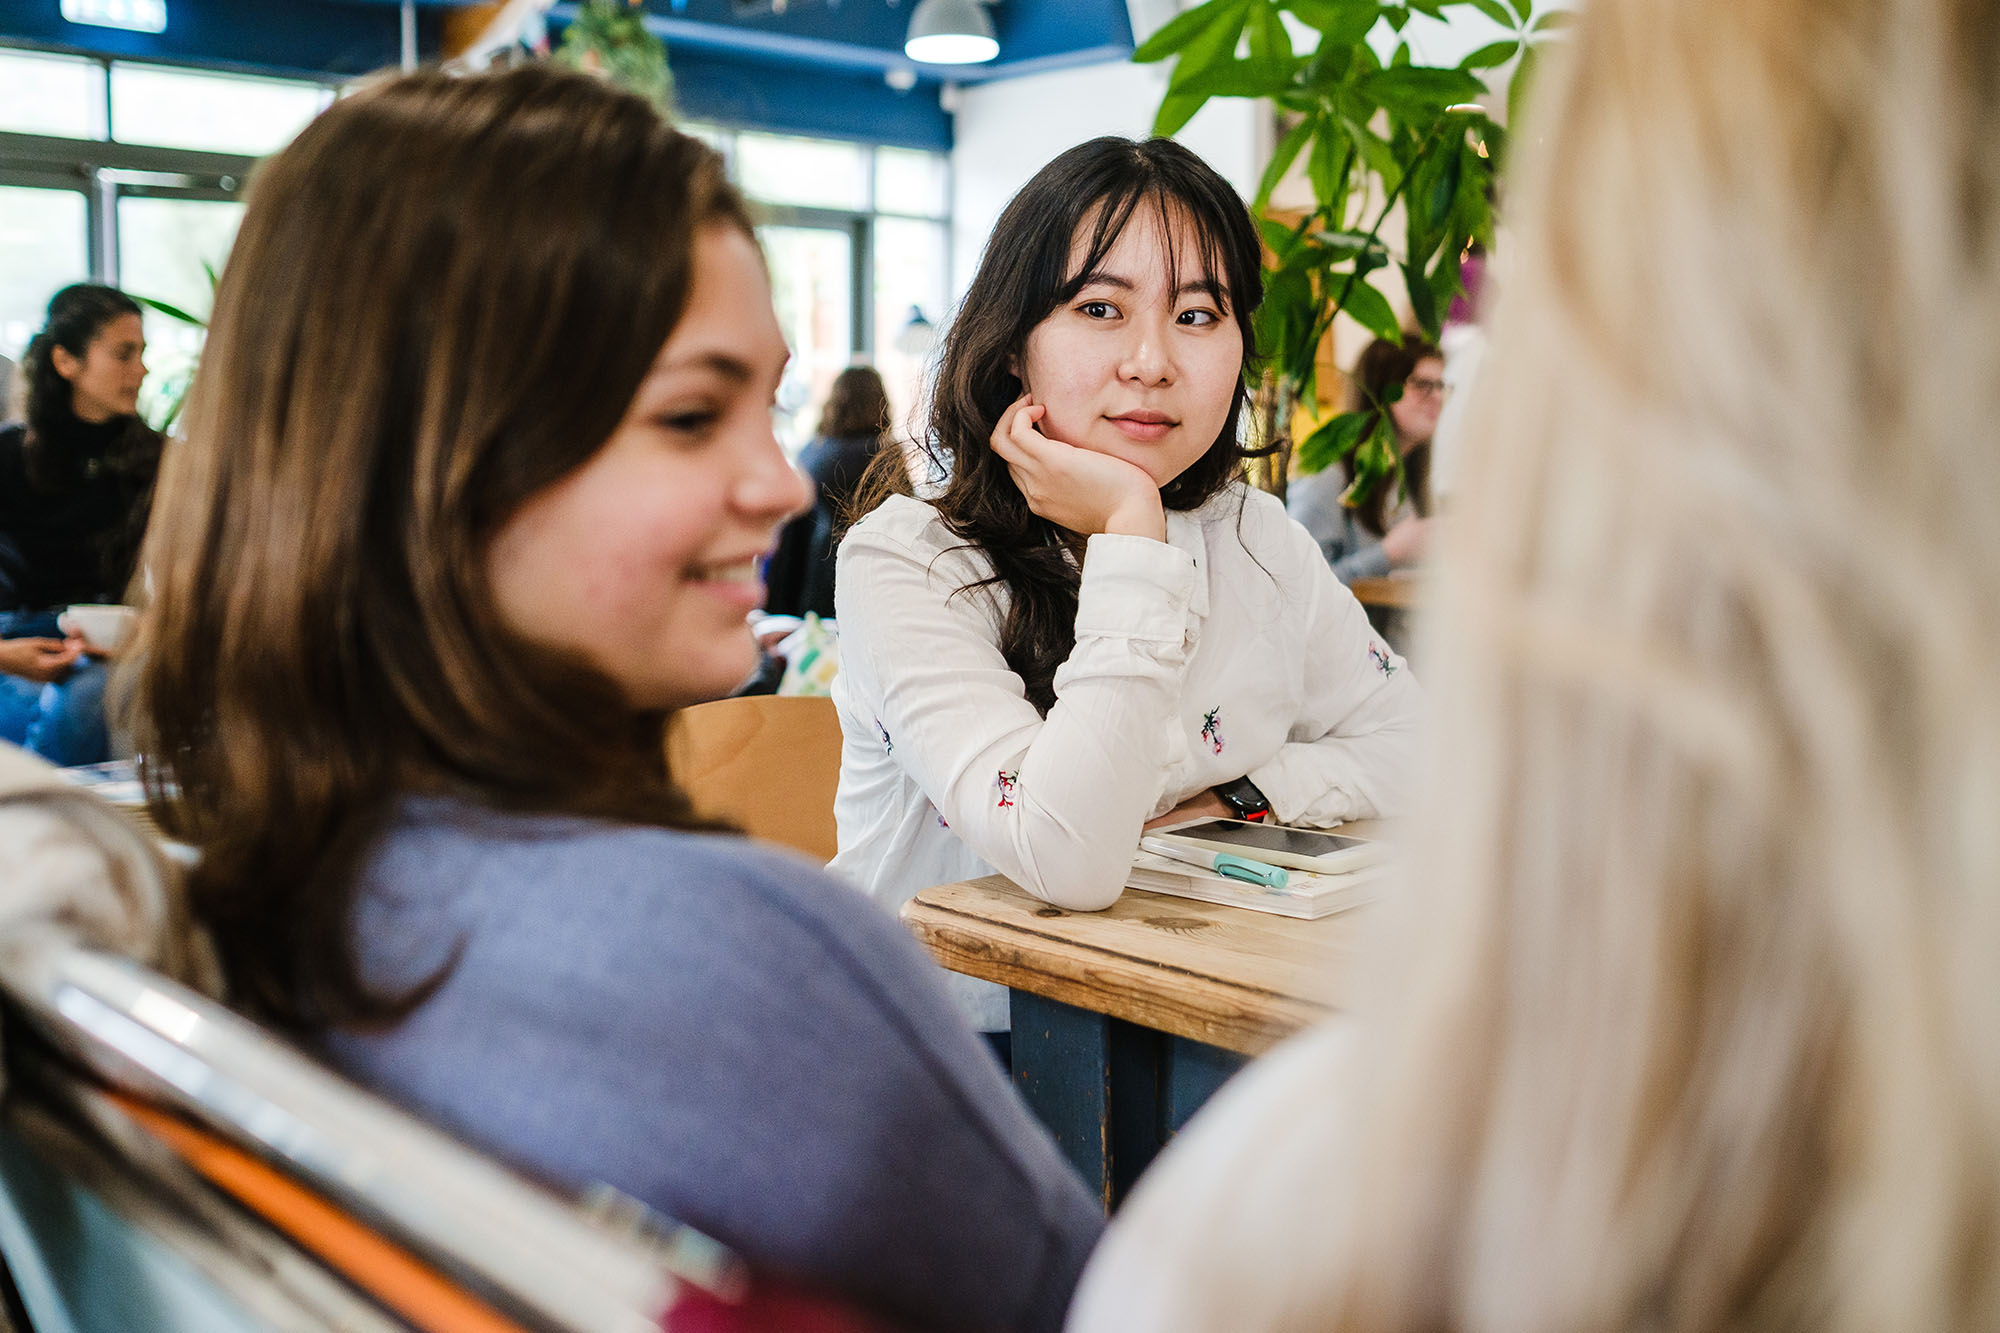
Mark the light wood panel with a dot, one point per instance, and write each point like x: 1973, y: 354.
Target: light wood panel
x: 768, y: 765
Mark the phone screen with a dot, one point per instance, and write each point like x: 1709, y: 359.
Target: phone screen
x: 1267, y: 837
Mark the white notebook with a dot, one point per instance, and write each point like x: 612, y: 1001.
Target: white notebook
x: 1305, y: 896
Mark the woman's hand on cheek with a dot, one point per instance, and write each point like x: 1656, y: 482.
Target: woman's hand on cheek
x: 1078, y: 489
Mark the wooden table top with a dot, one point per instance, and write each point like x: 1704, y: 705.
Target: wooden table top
x: 1399, y: 593
x: 1228, y: 976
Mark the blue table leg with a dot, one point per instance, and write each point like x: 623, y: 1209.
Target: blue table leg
x: 1111, y: 1093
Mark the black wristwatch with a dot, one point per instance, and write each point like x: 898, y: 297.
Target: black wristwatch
x: 1244, y: 800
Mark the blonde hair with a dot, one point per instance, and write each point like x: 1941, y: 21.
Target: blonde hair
x: 1689, y: 1018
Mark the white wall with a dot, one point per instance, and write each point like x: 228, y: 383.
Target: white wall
x: 1008, y: 130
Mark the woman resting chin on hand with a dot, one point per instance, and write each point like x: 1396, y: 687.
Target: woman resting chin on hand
x: 1093, y: 624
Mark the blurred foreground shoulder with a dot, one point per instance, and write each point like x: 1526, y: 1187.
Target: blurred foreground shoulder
x: 1240, y: 1204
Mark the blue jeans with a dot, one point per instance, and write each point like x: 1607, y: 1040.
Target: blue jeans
x: 62, y: 721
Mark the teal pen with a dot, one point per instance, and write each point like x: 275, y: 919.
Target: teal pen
x: 1225, y: 864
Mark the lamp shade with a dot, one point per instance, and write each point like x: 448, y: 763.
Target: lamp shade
x: 950, y: 32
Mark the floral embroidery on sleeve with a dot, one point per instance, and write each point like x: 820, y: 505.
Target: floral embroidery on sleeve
x: 1211, y: 728
x: 1006, y: 782
x: 1383, y: 662
x: 888, y: 746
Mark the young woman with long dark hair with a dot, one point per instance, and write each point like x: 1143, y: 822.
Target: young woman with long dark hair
x: 76, y: 485
x: 1090, y: 622
x: 478, y: 468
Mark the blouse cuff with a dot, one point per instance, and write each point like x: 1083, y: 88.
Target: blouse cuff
x: 1134, y: 587
x: 1293, y: 788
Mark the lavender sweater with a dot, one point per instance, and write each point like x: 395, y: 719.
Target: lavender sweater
x: 726, y: 1034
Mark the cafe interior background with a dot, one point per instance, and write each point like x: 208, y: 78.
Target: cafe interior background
x: 129, y: 127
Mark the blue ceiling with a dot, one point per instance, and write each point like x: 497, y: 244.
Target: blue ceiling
x: 817, y: 67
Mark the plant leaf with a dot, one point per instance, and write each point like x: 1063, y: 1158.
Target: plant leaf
x: 1214, y: 45
x: 1552, y: 20
x: 1496, y: 11
x: 1486, y: 57
x: 1331, y: 441
x: 1370, y: 309
x: 1280, y: 238
x: 1284, y: 317
x: 1339, y: 22
x: 1419, y: 92
x: 1323, y: 166
x: 1269, y: 42
x: 1523, y: 8
x: 1444, y: 190
x: 1380, y: 157
x: 1176, y: 110
x: 1240, y: 78
x: 171, y: 311
x: 1518, y: 88
x: 1282, y: 158
x: 1180, y: 30
x: 1423, y: 302
x: 1374, y: 461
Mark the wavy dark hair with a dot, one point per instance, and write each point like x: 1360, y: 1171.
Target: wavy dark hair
x: 1089, y: 194
x: 77, y: 314
x: 442, y: 298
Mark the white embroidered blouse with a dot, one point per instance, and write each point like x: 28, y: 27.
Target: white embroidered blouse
x: 1228, y: 650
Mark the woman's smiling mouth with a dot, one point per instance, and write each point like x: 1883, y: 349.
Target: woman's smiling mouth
x: 1144, y: 426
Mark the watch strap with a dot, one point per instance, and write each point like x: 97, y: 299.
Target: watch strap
x: 1244, y: 800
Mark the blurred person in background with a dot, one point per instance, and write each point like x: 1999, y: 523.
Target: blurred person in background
x: 1391, y: 529
x: 76, y: 485
x: 1686, y: 1017
x: 853, y: 425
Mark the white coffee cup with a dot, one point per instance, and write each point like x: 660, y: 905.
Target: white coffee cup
x: 103, y: 627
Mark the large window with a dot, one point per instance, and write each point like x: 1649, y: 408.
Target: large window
x: 167, y: 248
x: 41, y: 249
x: 128, y: 173
x: 47, y: 94
x: 226, y: 113
x: 857, y: 240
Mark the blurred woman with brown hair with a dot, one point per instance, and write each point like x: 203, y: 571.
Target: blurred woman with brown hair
x: 478, y: 467
x: 1390, y: 530
x: 1686, y: 1019
x: 852, y: 427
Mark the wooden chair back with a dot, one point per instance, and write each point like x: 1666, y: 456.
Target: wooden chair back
x: 768, y: 764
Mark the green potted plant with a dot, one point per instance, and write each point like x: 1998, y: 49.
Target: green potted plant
x: 1372, y: 135
x: 610, y: 37
x: 166, y: 398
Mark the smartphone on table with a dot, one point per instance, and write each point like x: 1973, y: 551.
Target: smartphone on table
x: 1314, y: 850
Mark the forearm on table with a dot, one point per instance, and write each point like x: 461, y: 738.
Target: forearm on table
x: 1315, y: 784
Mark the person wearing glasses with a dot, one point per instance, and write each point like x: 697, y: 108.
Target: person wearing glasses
x: 1391, y: 528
